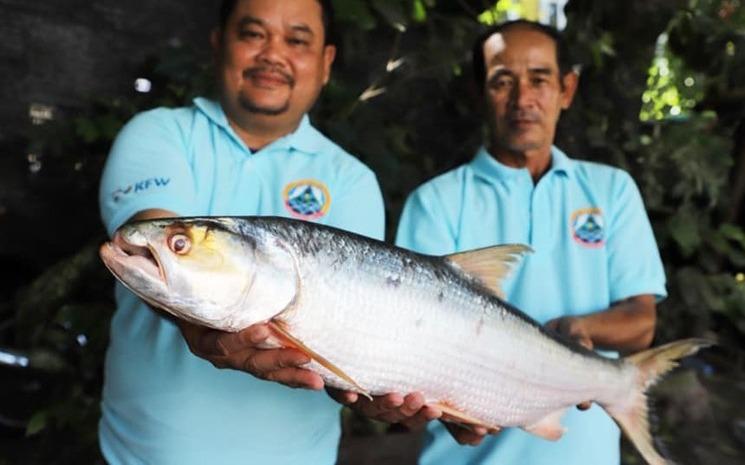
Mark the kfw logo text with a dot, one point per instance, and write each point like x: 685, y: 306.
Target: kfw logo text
x: 140, y: 186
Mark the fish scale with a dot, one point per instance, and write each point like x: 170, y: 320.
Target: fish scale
x: 453, y: 369
x: 377, y: 319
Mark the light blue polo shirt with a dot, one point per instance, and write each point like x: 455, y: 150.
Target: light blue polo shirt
x: 593, y: 246
x: 161, y: 404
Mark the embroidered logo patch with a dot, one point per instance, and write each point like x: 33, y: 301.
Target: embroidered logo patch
x: 307, y: 199
x: 140, y: 186
x: 588, y: 227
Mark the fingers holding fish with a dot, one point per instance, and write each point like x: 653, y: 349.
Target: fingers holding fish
x: 295, y: 377
x: 242, y: 351
x: 584, y: 405
x: 414, y: 413
x: 410, y: 410
x: 382, y: 408
x: 573, y: 327
x: 343, y: 397
x: 395, y: 408
x: 466, y: 436
x: 280, y: 365
x: 388, y: 408
x: 195, y: 336
x: 412, y: 404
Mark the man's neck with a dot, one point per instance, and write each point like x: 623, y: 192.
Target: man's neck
x: 537, y: 162
x: 258, y: 132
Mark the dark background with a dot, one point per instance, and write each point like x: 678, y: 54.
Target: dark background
x: 64, y: 53
x: 58, y: 57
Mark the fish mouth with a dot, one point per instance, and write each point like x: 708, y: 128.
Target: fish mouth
x: 119, y: 255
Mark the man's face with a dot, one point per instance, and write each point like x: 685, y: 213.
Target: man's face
x: 523, y: 90
x: 272, y: 59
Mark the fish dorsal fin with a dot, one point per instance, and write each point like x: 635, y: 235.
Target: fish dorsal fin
x: 489, y: 265
x: 288, y: 340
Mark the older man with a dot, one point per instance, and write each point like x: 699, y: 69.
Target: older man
x: 252, y: 151
x: 596, y: 272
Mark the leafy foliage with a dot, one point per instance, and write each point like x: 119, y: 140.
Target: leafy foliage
x: 689, y: 169
x: 60, y: 321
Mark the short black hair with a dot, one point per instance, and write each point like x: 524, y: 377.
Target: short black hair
x: 563, y: 59
x: 327, y: 18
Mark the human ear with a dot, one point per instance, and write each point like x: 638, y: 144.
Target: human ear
x: 569, y: 84
x: 216, y: 40
x: 329, y: 53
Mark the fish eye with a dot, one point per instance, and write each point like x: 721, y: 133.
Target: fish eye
x: 180, y: 244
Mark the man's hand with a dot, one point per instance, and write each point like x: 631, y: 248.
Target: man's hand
x: 574, y: 328
x: 627, y: 326
x: 410, y: 410
x: 242, y: 351
x: 467, y: 436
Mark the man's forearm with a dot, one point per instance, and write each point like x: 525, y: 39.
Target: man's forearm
x: 627, y: 326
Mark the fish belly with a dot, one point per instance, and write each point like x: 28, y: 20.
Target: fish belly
x: 453, y: 345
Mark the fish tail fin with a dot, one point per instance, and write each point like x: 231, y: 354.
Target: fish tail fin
x: 633, y: 415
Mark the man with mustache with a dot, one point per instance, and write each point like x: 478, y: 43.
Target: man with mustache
x: 595, y: 274
x: 252, y: 151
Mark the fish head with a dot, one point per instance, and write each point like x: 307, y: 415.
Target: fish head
x: 200, y: 270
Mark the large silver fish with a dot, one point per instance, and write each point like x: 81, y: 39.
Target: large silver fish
x: 377, y: 319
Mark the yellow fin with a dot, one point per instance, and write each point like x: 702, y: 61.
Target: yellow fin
x: 453, y: 415
x: 291, y: 341
x: 489, y: 265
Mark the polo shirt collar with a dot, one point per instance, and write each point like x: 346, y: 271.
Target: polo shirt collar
x: 486, y: 166
x: 561, y: 163
x: 305, y: 138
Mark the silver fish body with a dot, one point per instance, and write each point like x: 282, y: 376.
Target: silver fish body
x: 383, y: 319
x: 397, y: 321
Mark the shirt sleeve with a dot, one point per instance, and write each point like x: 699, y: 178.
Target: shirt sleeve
x: 147, y: 168
x: 359, y: 206
x: 423, y: 226
x: 634, y: 261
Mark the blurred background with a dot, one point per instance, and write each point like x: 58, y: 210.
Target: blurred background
x: 662, y: 95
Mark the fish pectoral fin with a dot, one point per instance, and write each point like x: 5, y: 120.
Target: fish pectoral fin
x: 288, y: 340
x: 489, y: 265
x: 548, y: 427
x: 453, y: 415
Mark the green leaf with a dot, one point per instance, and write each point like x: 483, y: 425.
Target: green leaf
x: 737, y: 258
x: 86, y: 128
x: 109, y: 126
x: 734, y: 233
x: 684, y: 229
x: 356, y: 12
x: 393, y: 12
x: 685, y: 280
x: 37, y: 423
x: 606, y: 44
x: 419, y: 13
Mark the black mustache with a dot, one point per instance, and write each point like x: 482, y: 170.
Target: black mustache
x: 523, y: 115
x: 251, y: 72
